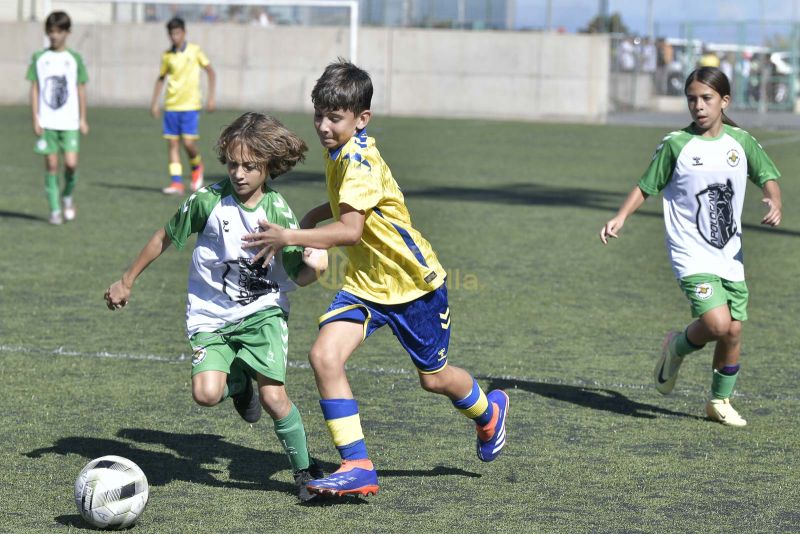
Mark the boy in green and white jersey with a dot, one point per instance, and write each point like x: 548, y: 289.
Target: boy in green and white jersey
x: 58, y: 105
x: 237, y: 308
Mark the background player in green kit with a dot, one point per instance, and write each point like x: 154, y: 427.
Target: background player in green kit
x: 58, y: 105
x: 237, y: 309
x: 702, y: 171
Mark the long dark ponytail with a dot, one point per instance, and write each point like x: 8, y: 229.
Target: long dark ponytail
x: 715, y: 79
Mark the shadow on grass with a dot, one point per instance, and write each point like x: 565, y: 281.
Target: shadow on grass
x: 74, y: 521
x: 248, y: 469
x: 598, y: 399
x: 543, y: 195
x: 523, y: 193
x: 129, y: 187
x: 24, y: 216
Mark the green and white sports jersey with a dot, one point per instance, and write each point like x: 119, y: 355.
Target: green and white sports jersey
x: 704, y: 181
x: 225, y: 286
x: 58, y: 75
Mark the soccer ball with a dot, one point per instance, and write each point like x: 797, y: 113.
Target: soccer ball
x: 111, y: 492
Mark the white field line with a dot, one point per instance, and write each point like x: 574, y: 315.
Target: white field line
x: 183, y: 358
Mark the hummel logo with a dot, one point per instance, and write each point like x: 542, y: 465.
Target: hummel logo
x: 697, y: 161
x: 225, y: 226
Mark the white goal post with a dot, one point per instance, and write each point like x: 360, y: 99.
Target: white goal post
x: 352, y: 5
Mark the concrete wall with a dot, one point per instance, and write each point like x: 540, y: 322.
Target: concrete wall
x: 445, y: 73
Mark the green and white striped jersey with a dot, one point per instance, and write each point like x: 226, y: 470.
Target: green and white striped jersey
x: 58, y: 75
x: 225, y: 286
x: 703, y: 181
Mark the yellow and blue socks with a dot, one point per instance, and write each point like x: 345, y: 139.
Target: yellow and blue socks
x: 176, y: 173
x: 476, y: 406
x: 723, y: 381
x: 292, y: 435
x: 196, y: 161
x: 341, y: 417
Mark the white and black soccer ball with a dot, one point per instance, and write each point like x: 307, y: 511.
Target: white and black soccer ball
x: 111, y: 492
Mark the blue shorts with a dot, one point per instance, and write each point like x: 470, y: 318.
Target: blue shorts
x: 181, y: 124
x: 422, y: 326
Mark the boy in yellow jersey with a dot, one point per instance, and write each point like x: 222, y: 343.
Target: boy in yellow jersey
x: 393, y: 278
x: 180, y: 66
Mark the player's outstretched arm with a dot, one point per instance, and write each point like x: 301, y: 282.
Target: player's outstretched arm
x: 316, y: 263
x: 772, y: 199
x: 632, y: 203
x: 272, y: 237
x: 119, y: 292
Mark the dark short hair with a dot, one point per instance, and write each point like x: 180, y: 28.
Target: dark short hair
x: 59, y: 20
x: 175, y: 23
x: 273, y: 146
x: 343, y: 86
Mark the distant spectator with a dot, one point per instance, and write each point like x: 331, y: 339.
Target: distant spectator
x: 259, y: 17
x: 648, y: 56
x: 626, y: 55
x: 708, y: 59
x: 209, y: 14
x: 726, y: 66
x: 665, y: 54
x: 150, y: 14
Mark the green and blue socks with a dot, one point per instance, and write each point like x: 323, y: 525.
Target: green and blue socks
x: 723, y: 381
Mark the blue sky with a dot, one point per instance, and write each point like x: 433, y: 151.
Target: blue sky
x: 715, y: 20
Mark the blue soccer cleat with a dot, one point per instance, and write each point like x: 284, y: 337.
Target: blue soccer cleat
x: 354, y: 477
x: 492, y: 437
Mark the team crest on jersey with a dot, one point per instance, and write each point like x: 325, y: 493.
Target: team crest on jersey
x: 55, y: 92
x: 704, y: 291
x: 244, y: 281
x: 198, y: 356
x: 715, y: 220
x: 732, y: 157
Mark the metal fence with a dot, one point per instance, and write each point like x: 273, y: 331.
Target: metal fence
x: 761, y: 60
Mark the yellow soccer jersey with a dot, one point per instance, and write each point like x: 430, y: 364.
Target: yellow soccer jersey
x: 182, y: 69
x: 392, y: 263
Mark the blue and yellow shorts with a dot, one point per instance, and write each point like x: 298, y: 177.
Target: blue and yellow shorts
x: 422, y: 326
x: 181, y: 124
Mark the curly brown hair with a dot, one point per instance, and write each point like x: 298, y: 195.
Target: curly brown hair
x: 272, y: 146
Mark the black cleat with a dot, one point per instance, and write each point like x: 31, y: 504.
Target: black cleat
x: 303, y: 477
x: 247, y: 403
